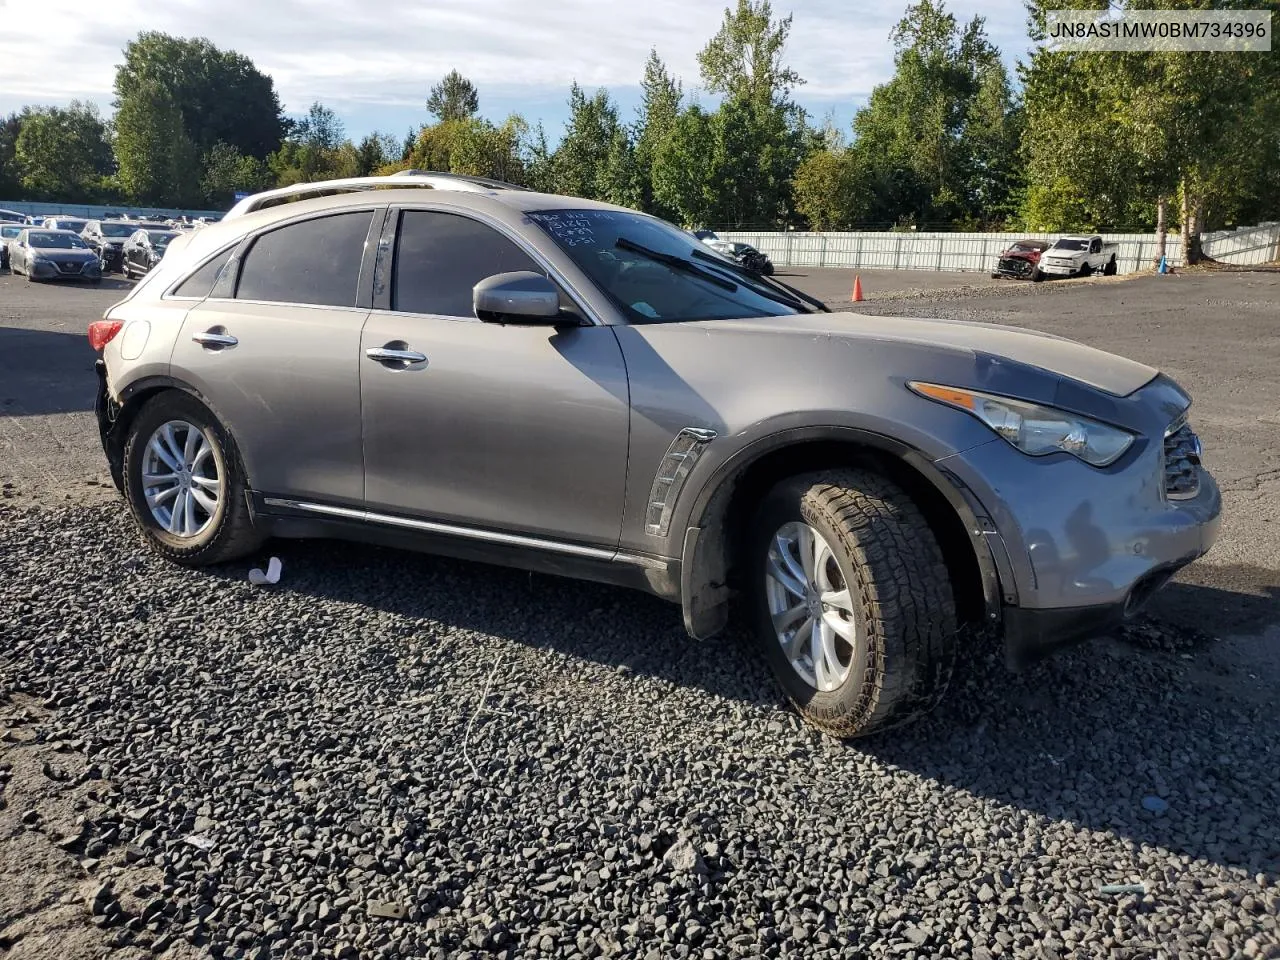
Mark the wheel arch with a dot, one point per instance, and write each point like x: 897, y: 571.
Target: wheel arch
x: 133, y: 397
x: 711, y: 549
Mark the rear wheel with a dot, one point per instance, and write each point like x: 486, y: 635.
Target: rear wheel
x: 852, y: 601
x: 1110, y: 269
x: 184, y: 483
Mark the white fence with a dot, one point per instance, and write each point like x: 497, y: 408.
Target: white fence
x: 978, y: 252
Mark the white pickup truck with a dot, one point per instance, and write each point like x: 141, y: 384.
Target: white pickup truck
x: 1079, y: 257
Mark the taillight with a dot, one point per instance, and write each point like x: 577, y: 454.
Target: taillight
x: 102, y: 331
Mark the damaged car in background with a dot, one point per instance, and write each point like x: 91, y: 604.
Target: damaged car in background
x: 1021, y: 260
x: 487, y: 372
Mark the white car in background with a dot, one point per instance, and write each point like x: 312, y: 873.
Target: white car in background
x: 1079, y: 257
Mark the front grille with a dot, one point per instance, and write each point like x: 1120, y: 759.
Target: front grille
x: 1181, y: 462
x: 70, y: 267
x: 1015, y: 265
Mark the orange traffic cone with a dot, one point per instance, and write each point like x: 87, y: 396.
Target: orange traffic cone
x: 857, y: 288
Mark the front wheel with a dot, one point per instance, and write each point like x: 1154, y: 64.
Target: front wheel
x: 184, y: 483
x: 1086, y: 270
x: 852, y: 601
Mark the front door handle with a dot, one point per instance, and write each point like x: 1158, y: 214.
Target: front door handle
x: 391, y: 355
x: 211, y: 339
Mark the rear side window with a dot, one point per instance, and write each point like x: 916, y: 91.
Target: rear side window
x: 200, y: 283
x: 441, y: 256
x: 315, y: 261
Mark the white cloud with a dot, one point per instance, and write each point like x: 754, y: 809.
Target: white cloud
x: 387, y: 54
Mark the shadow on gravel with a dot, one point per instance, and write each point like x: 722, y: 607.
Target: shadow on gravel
x: 1087, y: 737
x: 43, y: 371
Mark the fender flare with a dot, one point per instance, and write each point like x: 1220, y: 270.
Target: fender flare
x: 703, y: 592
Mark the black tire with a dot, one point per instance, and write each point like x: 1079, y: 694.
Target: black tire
x: 1086, y: 270
x: 231, y: 533
x: 903, y: 607
x: 1110, y: 269
x: 1037, y: 275
x: 768, y: 269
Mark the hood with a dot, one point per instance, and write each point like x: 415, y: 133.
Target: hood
x: 1031, y: 255
x: 1103, y: 371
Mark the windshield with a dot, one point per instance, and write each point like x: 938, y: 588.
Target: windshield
x: 8, y: 233
x: 55, y: 241
x: 1071, y: 245
x: 1026, y: 247
x: 117, y: 230
x: 73, y: 225
x: 160, y: 239
x: 624, y: 253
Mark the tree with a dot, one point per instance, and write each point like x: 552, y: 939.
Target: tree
x: 62, y: 153
x: 744, y: 59
x: 222, y: 96
x: 658, y: 114
x: 158, y: 161
x: 453, y: 98
x: 10, y: 175
x: 831, y: 188
x: 682, y: 175
x: 320, y: 129
x: 227, y: 171
x: 581, y: 164
x: 375, y: 151
x: 939, y: 139
x: 1118, y: 139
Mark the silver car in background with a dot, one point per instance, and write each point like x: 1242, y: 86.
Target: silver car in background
x: 53, y: 255
x: 573, y: 387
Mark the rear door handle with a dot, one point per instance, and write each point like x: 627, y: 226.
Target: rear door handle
x: 210, y: 339
x: 389, y: 355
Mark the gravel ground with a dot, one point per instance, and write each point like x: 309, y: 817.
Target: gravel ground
x: 388, y: 755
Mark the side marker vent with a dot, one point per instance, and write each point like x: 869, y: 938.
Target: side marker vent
x: 675, y: 468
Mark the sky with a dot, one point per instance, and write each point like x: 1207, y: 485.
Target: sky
x: 375, y: 69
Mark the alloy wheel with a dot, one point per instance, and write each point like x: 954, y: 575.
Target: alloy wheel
x: 811, y: 606
x: 180, y: 478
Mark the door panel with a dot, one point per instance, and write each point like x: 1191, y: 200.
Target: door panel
x: 518, y: 428
x: 288, y: 390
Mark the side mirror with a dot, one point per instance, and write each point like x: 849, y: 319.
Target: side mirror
x: 522, y: 295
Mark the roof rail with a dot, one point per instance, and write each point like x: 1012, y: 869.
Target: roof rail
x: 404, y: 178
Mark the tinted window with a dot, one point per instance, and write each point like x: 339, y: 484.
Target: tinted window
x: 200, y: 283
x: 315, y: 261
x: 441, y: 256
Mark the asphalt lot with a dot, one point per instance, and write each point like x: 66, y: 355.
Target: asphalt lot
x: 516, y: 765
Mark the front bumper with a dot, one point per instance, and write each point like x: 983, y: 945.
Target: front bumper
x: 48, y: 270
x: 1081, y: 549
x: 1060, y: 269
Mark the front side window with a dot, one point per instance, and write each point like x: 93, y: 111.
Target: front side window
x: 655, y: 272
x: 440, y: 257
x: 1070, y: 245
x: 314, y: 261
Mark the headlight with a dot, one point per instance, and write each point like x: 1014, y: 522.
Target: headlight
x: 1035, y: 430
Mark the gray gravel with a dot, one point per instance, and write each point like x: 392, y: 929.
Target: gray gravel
x: 389, y: 755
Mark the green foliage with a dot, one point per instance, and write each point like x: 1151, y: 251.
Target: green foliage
x: 590, y: 163
x: 1107, y: 135
x: 659, y: 112
x: 62, y: 152
x: 744, y: 59
x: 939, y: 140
x: 830, y: 189
x: 682, y: 176
x: 158, y: 161
x: 222, y: 96
x: 453, y: 98
x: 472, y: 147
x: 10, y: 174
x: 227, y: 170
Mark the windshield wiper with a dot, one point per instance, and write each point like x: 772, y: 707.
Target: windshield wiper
x: 764, y: 285
x: 676, y: 263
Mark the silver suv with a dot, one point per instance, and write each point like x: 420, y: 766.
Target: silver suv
x: 578, y: 388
